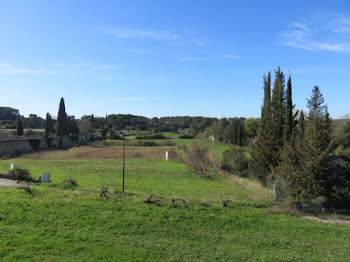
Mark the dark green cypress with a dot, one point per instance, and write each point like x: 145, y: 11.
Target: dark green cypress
x: 277, y: 109
x: 262, y: 150
x: 289, y: 116
x: 49, y: 126
x: 19, y: 126
x: 61, y: 128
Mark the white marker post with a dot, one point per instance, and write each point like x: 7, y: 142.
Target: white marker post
x: 12, y: 166
x: 166, y: 155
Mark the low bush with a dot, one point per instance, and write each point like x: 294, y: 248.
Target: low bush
x: 21, y: 174
x: 154, y: 136
x: 235, y: 162
x: 198, y: 159
x: 71, y: 182
x: 186, y: 137
x: 35, y: 144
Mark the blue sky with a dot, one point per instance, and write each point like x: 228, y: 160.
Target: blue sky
x: 158, y: 58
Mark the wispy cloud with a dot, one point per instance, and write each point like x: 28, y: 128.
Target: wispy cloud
x: 84, y: 67
x: 190, y: 59
x: 231, y: 56
x: 138, y: 51
x: 307, y: 36
x: 198, y: 42
x: 340, y: 25
x: 9, y: 69
x: 56, y: 69
x: 126, y: 33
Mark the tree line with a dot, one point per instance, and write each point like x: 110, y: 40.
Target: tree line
x: 294, y: 152
x: 65, y: 125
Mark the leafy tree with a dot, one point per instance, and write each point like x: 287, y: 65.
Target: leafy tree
x: 61, y: 128
x: 104, y: 131
x: 236, y: 162
x: 49, y: 126
x: 19, y: 126
x: 75, y: 128
x: 8, y: 113
x: 85, y: 126
x: 72, y: 126
x: 251, y: 127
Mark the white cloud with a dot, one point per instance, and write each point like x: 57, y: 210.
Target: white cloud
x: 126, y: 33
x: 197, y: 42
x: 340, y: 25
x: 305, y: 36
x: 231, y: 56
x: 9, y: 69
x: 190, y: 59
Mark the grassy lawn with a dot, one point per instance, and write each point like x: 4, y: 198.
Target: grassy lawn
x: 56, y: 223
x: 143, y: 177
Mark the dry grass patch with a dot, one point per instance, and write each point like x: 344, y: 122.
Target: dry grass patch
x: 93, y: 152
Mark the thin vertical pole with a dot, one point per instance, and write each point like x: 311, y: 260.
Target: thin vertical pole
x: 123, y: 166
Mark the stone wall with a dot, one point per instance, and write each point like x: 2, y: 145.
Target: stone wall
x: 24, y: 146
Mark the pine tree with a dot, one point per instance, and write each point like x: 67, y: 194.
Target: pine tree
x: 19, y: 125
x: 301, y: 127
x: 49, y: 126
x: 316, y: 149
x: 61, y: 128
x: 262, y: 150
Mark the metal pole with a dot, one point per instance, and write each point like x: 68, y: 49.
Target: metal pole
x: 123, y: 166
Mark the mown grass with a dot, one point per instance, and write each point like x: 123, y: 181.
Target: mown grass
x: 56, y: 225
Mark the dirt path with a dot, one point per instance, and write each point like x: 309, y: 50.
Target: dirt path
x: 329, y: 221
x: 8, y: 182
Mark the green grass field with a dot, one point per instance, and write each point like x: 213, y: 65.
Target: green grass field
x: 59, y: 223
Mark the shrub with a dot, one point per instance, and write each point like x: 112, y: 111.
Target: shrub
x: 49, y: 142
x: 198, y: 159
x: 71, y: 182
x: 21, y: 174
x: 35, y: 144
x: 30, y: 132
x: 235, y: 162
x: 149, y: 143
x: 155, y: 136
x: 186, y: 137
x: 104, y: 192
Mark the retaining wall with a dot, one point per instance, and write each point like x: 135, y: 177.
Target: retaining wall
x: 24, y: 146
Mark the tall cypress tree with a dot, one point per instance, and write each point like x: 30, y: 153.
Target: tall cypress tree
x: 49, y: 126
x: 19, y: 125
x: 289, y: 117
x: 61, y: 128
x: 277, y: 110
x: 262, y: 150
